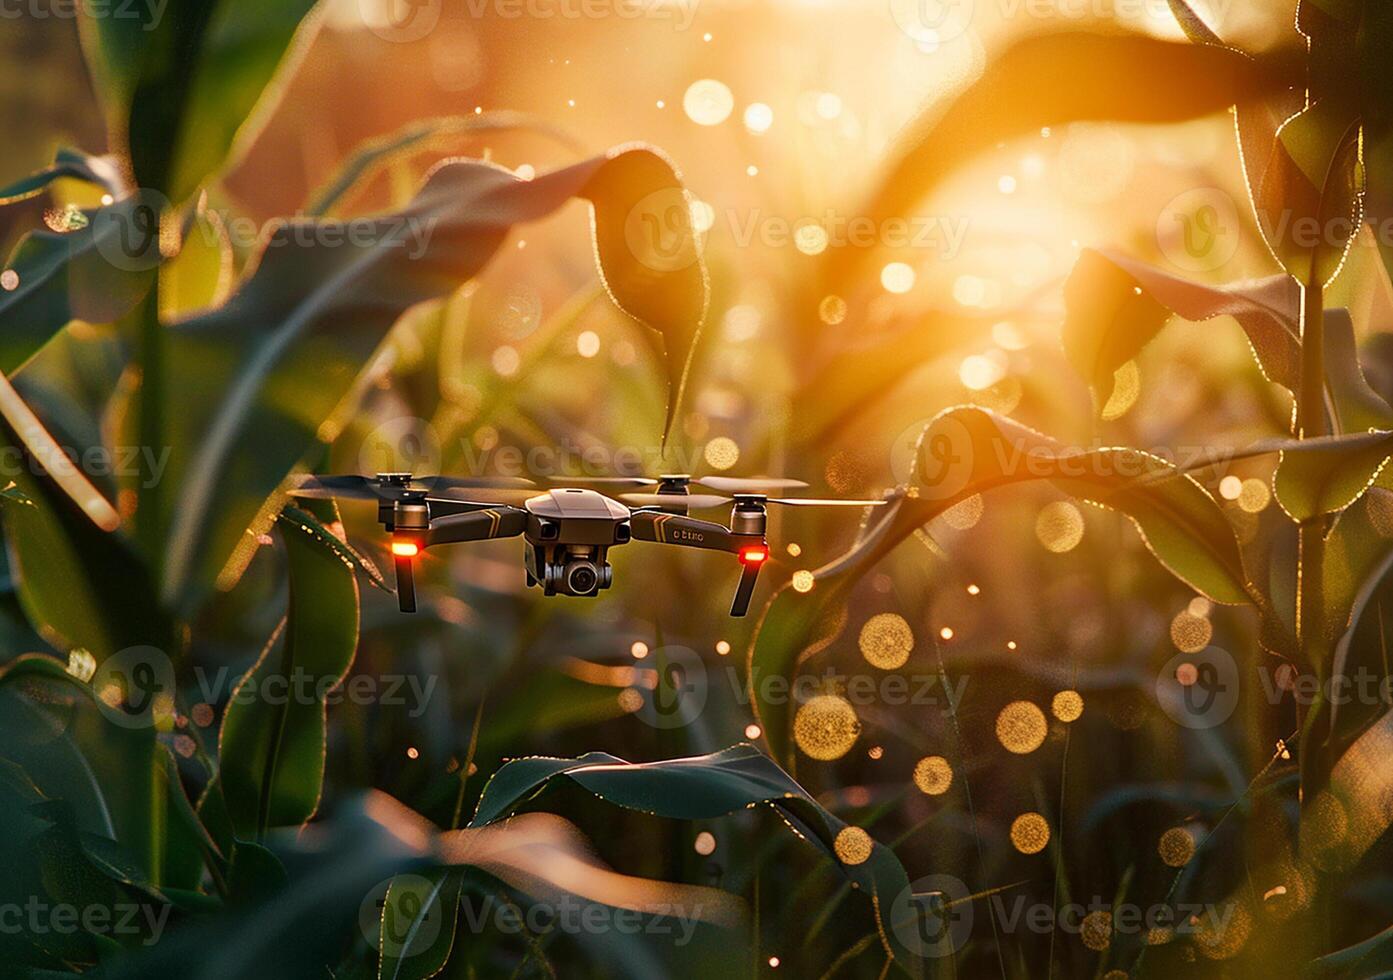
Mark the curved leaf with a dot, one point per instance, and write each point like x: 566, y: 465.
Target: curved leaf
x: 1327, y: 474
x: 70, y: 164
x: 271, y: 748
x: 254, y: 385
x: 182, y: 83
x: 78, y: 585
x: 1127, y: 78
x: 966, y: 451
x: 702, y: 788
x: 1114, y: 306
x: 81, y: 274
x: 375, y: 154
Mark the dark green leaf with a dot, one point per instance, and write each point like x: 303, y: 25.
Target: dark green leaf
x: 271, y: 749
x: 701, y: 788
x: 186, y: 86
x: 97, y: 273
x: 71, y: 164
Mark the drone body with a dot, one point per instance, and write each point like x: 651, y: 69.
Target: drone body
x: 567, y: 531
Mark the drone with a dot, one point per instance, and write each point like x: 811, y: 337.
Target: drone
x: 569, y: 530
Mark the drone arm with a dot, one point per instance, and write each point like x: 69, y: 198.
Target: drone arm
x: 689, y: 532
x: 686, y: 532
x: 475, y: 525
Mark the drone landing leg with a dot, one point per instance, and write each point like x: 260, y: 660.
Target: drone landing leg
x: 406, y: 585
x: 745, y: 590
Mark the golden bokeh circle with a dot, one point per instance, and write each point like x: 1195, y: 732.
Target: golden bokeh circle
x: 853, y: 845
x: 1191, y: 633
x: 802, y: 581
x: 1176, y: 847
x: 1067, y: 706
x: 886, y: 641
x: 1021, y: 727
x: 1030, y: 832
x: 1254, y: 496
x: 722, y: 453
x: 1059, y: 526
x: 826, y: 727
x: 933, y: 775
x: 1096, y: 930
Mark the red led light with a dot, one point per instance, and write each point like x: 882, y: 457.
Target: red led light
x: 753, y: 556
x: 405, y: 549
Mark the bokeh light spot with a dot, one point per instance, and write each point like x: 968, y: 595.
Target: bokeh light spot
x: 933, y: 775
x: 886, y: 641
x: 1030, y: 832
x: 826, y: 727
x: 1021, y: 727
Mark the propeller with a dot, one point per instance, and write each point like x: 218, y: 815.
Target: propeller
x: 606, y: 481
x: 726, y: 484
x: 701, y: 501
x: 393, y: 487
x: 695, y: 501
x: 733, y: 484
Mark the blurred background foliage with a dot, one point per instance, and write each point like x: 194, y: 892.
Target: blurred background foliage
x: 804, y: 369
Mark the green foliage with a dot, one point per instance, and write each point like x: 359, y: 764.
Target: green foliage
x: 186, y: 85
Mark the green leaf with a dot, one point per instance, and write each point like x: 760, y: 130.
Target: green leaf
x: 70, y: 164
x: 1115, y: 306
x: 430, y: 894
x: 1127, y: 78
x: 188, y: 86
x: 98, y: 272
x: 965, y: 451
x: 271, y: 748
x: 78, y: 585
x: 702, y: 788
x: 254, y: 386
x: 1357, y: 407
x: 370, y: 158
x: 1309, y: 201
x: 1327, y: 474
x: 110, y: 776
x: 330, y: 539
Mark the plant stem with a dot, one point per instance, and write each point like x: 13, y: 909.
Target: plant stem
x: 1311, y: 421
x: 150, y: 409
